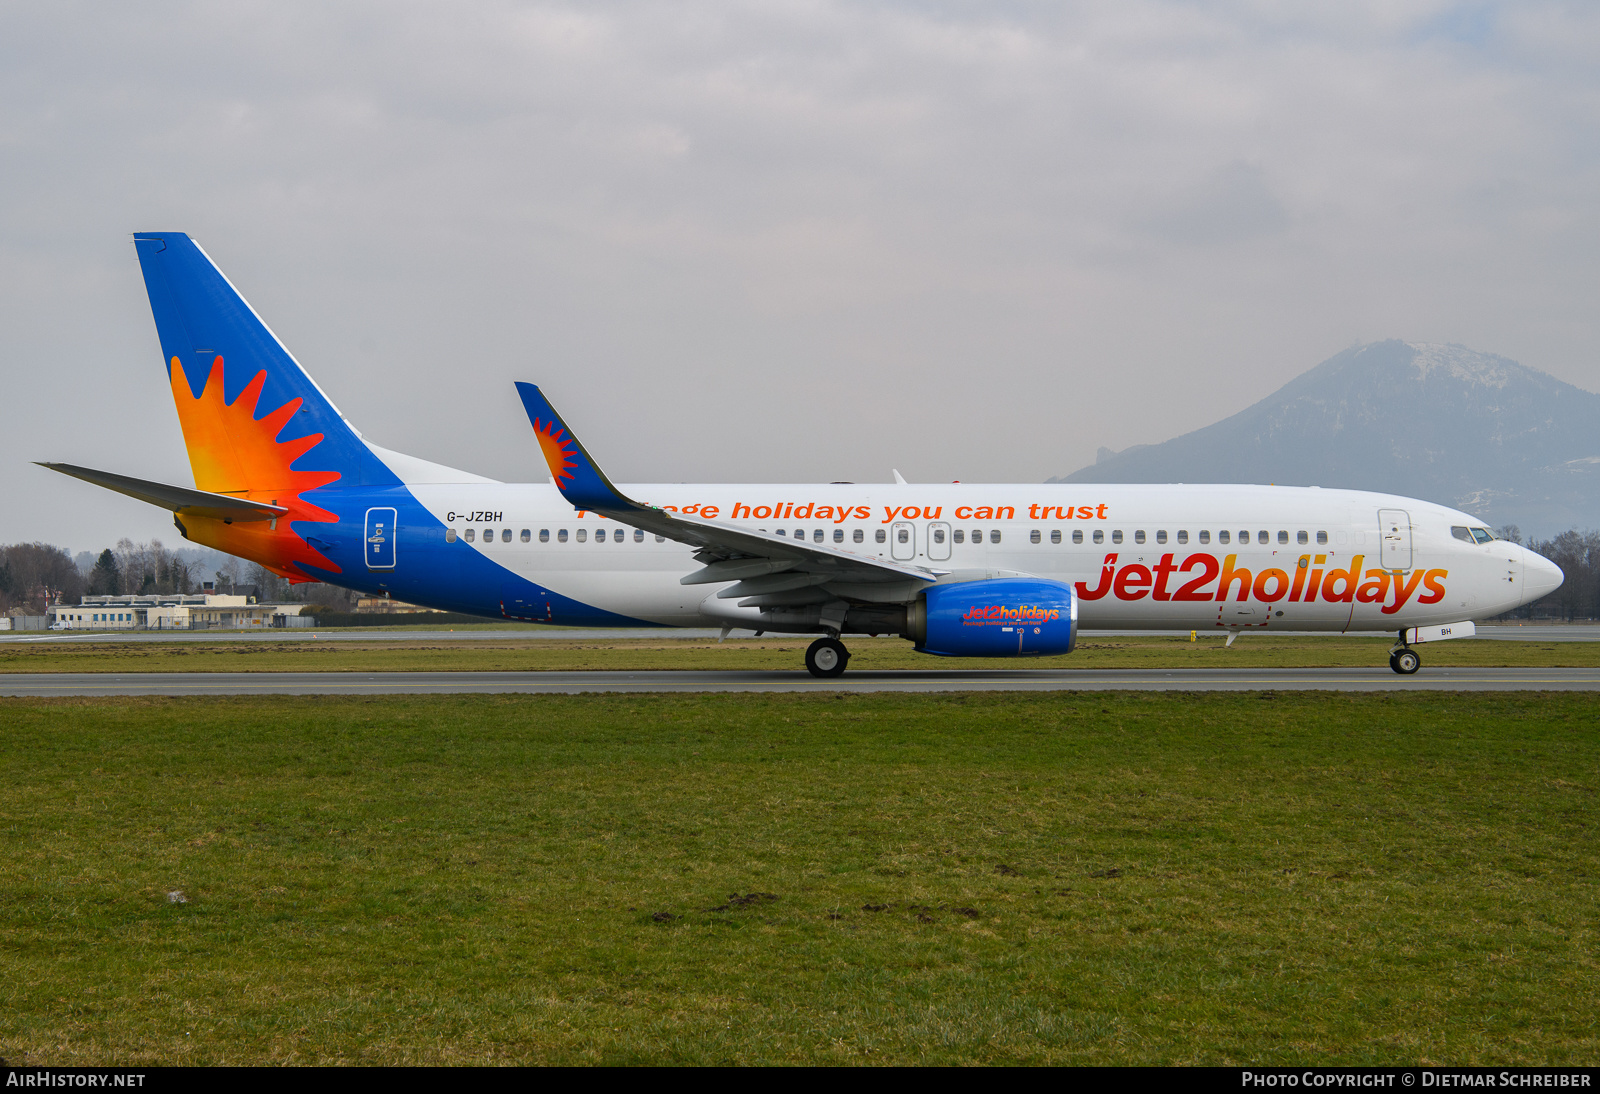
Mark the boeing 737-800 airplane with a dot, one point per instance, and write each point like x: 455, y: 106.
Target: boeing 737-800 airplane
x: 971, y: 570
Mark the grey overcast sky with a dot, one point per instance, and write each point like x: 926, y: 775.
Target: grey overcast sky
x: 792, y: 240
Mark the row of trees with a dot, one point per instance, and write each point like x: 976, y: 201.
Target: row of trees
x: 140, y: 568
x: 1578, y: 555
x: 34, y: 574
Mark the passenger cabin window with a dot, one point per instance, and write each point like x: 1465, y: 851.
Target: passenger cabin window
x: 450, y: 535
x: 1055, y: 535
x: 994, y: 535
x: 1183, y: 535
x: 561, y: 536
x: 1283, y: 537
x: 544, y: 535
x: 938, y: 535
x: 1099, y: 535
x: 838, y: 535
x: 638, y: 535
x: 1244, y: 537
x: 816, y: 535
x: 1322, y: 539
x: 977, y: 535
x: 1223, y: 537
x: 527, y: 535
x: 661, y: 539
x: 1263, y: 537
x: 1077, y: 535
x: 1161, y: 536
x: 1205, y: 536
x: 1302, y: 537
x: 1138, y: 537
x: 959, y: 536
x: 1035, y: 536
x: 858, y: 535
x: 583, y: 534
x: 1116, y: 536
x: 505, y: 535
x: 488, y: 535
x: 902, y: 535
x: 782, y: 533
x: 880, y: 536
x: 599, y: 535
x: 471, y: 534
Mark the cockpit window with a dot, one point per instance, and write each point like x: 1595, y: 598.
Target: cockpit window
x: 1462, y: 532
x: 1482, y: 535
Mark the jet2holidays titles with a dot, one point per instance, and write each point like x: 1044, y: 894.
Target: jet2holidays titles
x: 1200, y: 576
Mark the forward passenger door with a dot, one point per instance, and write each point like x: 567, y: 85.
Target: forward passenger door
x: 1394, y: 537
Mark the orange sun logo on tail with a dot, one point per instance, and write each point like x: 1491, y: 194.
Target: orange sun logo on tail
x: 233, y: 452
x: 559, y: 451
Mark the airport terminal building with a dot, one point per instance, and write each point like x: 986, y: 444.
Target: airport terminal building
x: 174, y: 612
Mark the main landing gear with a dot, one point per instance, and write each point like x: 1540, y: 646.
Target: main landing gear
x: 827, y: 657
x: 1403, y: 659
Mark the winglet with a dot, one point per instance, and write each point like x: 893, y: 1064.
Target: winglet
x: 577, y: 475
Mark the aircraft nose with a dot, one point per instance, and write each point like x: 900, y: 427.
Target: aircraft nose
x: 1540, y: 576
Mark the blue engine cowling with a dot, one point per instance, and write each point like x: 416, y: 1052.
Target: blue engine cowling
x: 1013, y: 617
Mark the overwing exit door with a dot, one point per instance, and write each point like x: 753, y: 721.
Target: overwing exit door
x: 1394, y: 535
x: 903, y: 541
x: 380, y: 538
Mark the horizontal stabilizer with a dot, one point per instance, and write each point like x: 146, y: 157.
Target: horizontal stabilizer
x: 178, y: 499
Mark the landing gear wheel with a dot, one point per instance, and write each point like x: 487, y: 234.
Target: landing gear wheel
x: 827, y: 657
x: 1405, y: 662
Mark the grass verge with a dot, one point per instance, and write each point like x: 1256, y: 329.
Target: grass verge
x: 1204, y: 878
x: 517, y: 654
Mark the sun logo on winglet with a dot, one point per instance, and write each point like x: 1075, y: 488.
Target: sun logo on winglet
x: 559, y: 451
x: 233, y: 452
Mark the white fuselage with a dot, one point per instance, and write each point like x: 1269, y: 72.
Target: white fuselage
x: 1139, y: 556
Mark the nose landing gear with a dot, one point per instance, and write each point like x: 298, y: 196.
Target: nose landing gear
x: 827, y: 657
x: 1403, y: 659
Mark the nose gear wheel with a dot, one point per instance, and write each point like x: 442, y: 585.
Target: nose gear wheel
x: 1405, y: 661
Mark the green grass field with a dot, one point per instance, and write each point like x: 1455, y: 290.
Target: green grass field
x: 1107, y: 878
x: 520, y: 652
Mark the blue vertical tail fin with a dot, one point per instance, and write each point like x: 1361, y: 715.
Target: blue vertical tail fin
x: 211, y: 336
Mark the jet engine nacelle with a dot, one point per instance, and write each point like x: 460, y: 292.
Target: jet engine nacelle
x: 1013, y: 617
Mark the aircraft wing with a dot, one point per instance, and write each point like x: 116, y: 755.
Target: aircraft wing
x: 179, y: 499
x: 766, y: 566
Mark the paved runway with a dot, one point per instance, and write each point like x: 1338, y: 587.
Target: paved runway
x: 1541, y: 632
x: 489, y: 683
x: 302, y: 635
